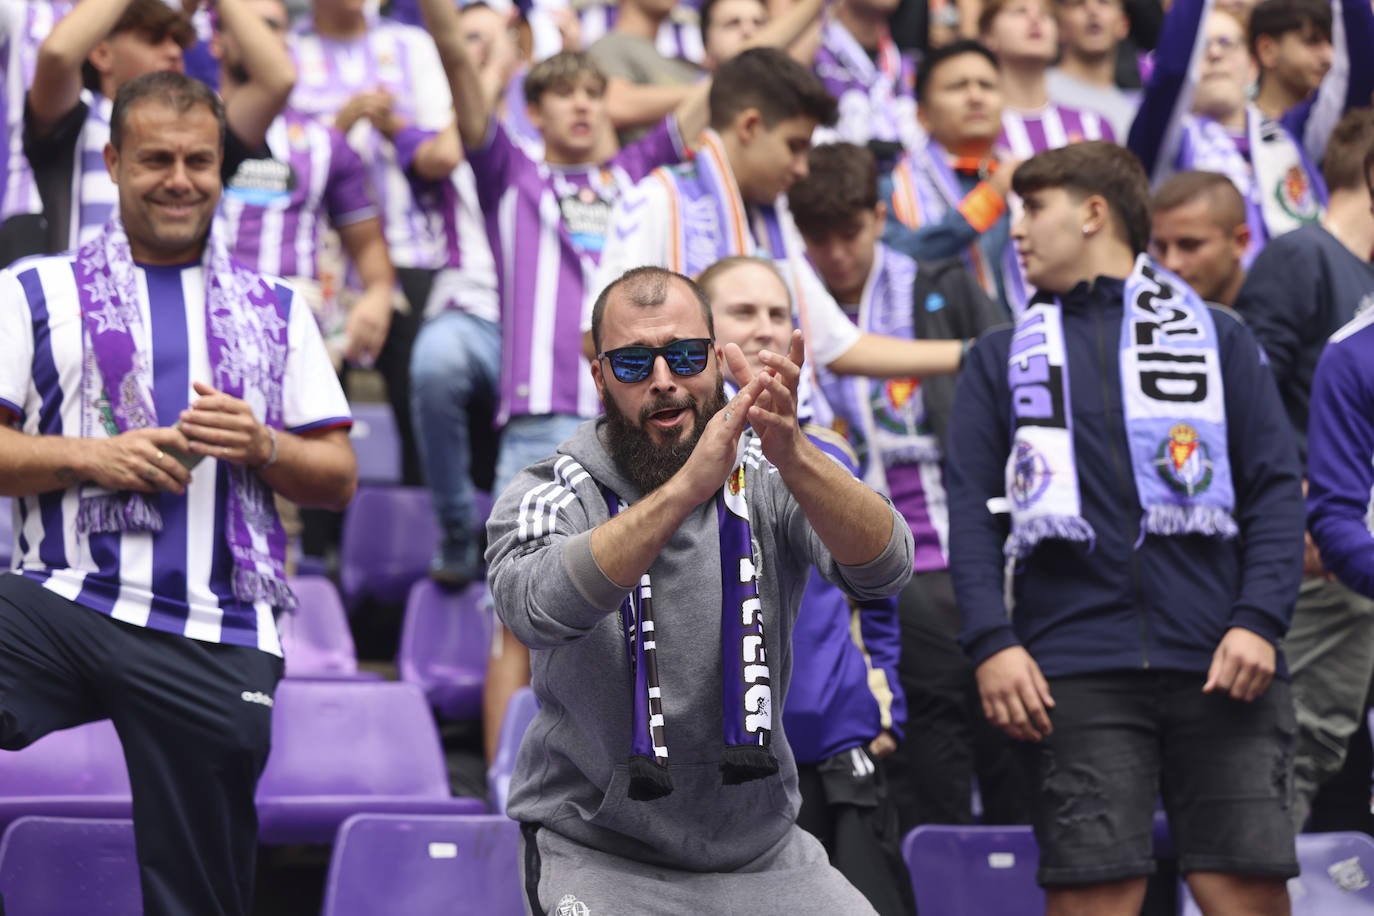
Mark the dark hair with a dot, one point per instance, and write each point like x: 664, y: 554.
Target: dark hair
x: 156, y: 20
x: 842, y: 182
x: 938, y: 56
x: 1096, y: 167
x: 177, y: 91
x: 647, y: 287
x: 1350, y: 143
x: 708, y: 277
x: 559, y: 73
x: 772, y: 82
x: 1216, y: 190
x: 1276, y: 17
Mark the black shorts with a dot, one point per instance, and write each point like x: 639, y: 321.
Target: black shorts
x: 1121, y: 741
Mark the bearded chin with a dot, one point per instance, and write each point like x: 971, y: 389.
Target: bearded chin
x: 649, y: 464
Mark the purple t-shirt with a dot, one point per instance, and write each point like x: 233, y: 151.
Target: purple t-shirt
x: 547, y: 226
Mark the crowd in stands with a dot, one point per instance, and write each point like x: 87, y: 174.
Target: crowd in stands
x: 451, y: 186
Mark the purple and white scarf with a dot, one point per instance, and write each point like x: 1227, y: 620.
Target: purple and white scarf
x: 246, y: 337
x: 1175, y: 416
x: 746, y: 683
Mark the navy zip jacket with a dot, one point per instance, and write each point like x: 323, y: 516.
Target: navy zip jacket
x: 1165, y: 604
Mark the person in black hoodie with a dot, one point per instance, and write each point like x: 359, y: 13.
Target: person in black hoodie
x: 1126, y: 544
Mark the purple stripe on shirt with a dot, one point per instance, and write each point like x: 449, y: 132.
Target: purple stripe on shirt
x: 909, y: 497
x: 53, y: 550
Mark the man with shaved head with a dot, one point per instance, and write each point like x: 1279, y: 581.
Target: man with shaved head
x: 1199, y: 232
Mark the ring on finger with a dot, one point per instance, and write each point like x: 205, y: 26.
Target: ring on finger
x: 158, y: 457
x: 150, y: 474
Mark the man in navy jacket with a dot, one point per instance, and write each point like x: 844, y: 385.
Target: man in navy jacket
x: 1148, y: 586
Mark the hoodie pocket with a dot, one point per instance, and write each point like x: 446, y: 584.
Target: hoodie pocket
x: 702, y: 825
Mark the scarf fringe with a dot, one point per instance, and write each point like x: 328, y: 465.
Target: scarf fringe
x: 252, y: 585
x: 116, y: 512
x: 649, y: 779
x: 1034, y: 530
x: 741, y: 763
x: 1211, y: 521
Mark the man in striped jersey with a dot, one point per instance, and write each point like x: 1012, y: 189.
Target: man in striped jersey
x: 156, y: 395
x: 91, y: 53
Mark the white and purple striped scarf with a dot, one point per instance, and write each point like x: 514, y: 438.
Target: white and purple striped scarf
x: 1175, y: 415
x: 746, y: 682
x: 247, y: 342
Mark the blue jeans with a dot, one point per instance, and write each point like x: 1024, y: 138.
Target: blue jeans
x: 455, y: 368
x: 527, y: 440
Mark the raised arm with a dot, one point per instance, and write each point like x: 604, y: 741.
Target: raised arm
x: 470, y: 103
x: 56, y: 87
x: 253, y: 106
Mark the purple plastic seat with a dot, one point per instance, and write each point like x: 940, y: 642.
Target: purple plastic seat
x: 376, y: 443
x: 519, y: 714
x: 76, y: 772
x: 974, y: 871
x: 389, y: 537
x: 343, y: 747
x: 315, y: 637
x: 61, y: 866
x: 445, y: 641
x: 1337, y: 869
x: 425, y: 866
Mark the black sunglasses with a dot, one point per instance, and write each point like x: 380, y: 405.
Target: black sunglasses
x: 634, y: 364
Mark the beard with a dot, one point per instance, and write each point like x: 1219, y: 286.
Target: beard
x: 649, y: 464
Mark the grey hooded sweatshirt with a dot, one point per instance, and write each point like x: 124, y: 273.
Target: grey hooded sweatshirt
x: 571, y: 775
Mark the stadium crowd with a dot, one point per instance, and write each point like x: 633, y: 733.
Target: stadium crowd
x: 1078, y: 288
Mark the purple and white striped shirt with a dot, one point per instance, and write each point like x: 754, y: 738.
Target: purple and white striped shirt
x: 547, y: 226
x: 92, y: 195
x: 1025, y: 133
x: 24, y: 24
x: 274, y: 211
x: 401, y: 59
x: 177, y: 580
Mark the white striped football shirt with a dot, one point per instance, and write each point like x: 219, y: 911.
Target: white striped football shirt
x: 179, y: 579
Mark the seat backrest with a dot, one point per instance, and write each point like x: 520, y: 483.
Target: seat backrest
x: 444, y: 629
x: 351, y: 738
x: 376, y: 442
x: 389, y: 536
x: 974, y: 871
x: 520, y: 711
x: 86, y: 865
x: 85, y: 760
x: 315, y: 637
x: 387, y: 865
x: 1337, y: 870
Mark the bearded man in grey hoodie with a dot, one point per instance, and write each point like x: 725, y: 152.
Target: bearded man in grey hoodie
x: 654, y: 567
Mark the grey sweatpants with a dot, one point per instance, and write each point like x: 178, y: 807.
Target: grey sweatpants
x: 1330, y: 653
x: 794, y: 878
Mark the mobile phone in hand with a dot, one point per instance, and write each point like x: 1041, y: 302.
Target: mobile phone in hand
x: 187, y: 460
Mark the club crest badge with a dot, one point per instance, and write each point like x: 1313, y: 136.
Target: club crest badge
x: 897, y: 405
x: 1184, y: 461
x: 1030, y: 476
x: 1295, y: 195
